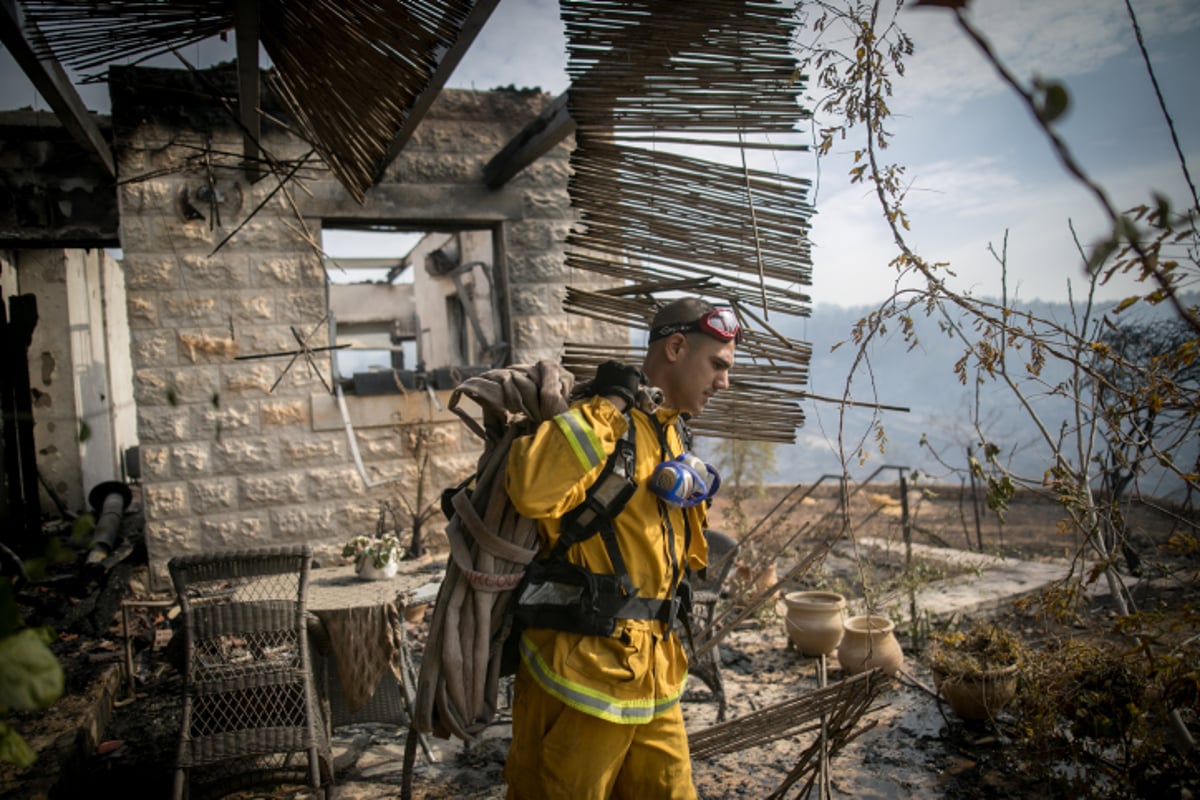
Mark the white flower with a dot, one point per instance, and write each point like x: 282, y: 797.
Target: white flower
x: 382, y: 550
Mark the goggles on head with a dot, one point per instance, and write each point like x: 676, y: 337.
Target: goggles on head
x: 720, y: 323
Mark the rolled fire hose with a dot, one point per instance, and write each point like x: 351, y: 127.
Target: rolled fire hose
x: 490, y: 544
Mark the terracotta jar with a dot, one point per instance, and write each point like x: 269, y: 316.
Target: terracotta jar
x: 869, y: 642
x: 980, y: 694
x: 415, y: 614
x: 759, y: 579
x: 814, y: 621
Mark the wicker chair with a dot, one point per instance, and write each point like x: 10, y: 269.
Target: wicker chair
x: 705, y: 594
x: 251, y: 710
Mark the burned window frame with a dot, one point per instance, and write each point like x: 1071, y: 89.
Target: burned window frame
x: 420, y: 376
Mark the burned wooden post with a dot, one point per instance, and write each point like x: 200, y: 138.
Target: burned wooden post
x: 16, y: 405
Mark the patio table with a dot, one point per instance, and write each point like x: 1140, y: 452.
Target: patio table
x: 371, y: 675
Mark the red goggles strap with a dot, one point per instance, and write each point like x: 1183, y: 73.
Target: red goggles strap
x: 720, y: 323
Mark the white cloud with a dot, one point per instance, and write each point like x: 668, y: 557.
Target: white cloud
x: 978, y: 169
x: 962, y: 206
x: 970, y: 187
x: 1050, y: 38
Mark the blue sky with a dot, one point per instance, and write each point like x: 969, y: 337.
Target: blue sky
x: 977, y: 163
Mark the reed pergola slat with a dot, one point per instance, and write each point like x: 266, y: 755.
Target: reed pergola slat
x: 716, y: 76
x: 89, y: 35
x: 323, y: 49
x: 24, y: 42
x: 633, y: 201
x: 786, y: 301
x: 716, y: 260
x: 637, y: 313
x: 854, y: 694
x: 323, y: 52
x: 588, y: 256
x: 762, y: 402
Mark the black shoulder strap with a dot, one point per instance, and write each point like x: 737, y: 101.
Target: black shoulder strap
x: 605, y: 497
x: 685, y: 433
x: 685, y: 438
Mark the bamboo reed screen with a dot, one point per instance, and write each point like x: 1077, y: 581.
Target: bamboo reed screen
x: 667, y: 98
x: 349, y: 71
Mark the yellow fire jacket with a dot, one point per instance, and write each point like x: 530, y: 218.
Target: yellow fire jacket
x: 640, y: 670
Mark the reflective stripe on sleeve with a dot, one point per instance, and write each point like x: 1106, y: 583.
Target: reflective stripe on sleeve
x: 589, y: 701
x: 583, y: 440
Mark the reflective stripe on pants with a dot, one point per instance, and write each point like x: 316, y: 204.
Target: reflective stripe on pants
x: 558, y: 752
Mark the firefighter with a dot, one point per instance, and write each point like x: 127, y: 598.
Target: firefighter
x: 596, y: 709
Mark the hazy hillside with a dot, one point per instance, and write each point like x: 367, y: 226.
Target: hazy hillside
x: 923, y: 381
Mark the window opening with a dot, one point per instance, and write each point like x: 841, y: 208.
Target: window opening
x: 415, y: 307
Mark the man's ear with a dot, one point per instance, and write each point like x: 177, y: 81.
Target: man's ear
x: 675, y: 347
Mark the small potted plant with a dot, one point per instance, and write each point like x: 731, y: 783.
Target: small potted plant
x: 975, y: 671
x: 374, y: 557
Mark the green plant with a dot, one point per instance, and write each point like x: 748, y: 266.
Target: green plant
x: 1088, y: 702
x: 382, y: 549
x: 30, y: 676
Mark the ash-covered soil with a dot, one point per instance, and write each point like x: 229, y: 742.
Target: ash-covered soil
x: 907, y: 744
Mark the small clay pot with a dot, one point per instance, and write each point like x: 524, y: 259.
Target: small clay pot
x: 414, y: 614
x: 980, y: 694
x: 814, y: 621
x: 759, y: 581
x: 869, y: 642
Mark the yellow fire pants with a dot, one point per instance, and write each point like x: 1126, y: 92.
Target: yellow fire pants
x: 559, y: 753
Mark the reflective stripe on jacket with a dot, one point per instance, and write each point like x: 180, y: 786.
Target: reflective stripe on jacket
x: 639, y: 671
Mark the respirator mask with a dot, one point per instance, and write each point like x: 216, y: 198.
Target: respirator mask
x: 684, y: 481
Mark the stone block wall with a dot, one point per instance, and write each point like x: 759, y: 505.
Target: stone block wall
x: 233, y: 453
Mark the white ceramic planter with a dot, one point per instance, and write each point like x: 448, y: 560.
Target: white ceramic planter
x: 366, y: 570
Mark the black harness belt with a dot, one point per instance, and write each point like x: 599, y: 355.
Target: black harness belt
x: 559, y: 595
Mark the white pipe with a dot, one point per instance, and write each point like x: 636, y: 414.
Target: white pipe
x: 362, y: 471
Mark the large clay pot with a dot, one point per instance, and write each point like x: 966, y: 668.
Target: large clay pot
x: 814, y: 621
x: 978, y: 695
x: 869, y: 642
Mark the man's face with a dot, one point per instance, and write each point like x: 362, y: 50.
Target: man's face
x: 701, y: 371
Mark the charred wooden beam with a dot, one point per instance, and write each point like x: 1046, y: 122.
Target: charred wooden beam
x: 446, y: 63
x: 537, y: 138
x: 246, y: 26
x: 20, y: 37
x: 23, y: 531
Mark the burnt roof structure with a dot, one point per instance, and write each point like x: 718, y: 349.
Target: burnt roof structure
x: 664, y: 107
x: 322, y: 50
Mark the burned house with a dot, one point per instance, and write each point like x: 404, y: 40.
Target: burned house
x: 240, y: 447
x: 278, y: 402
